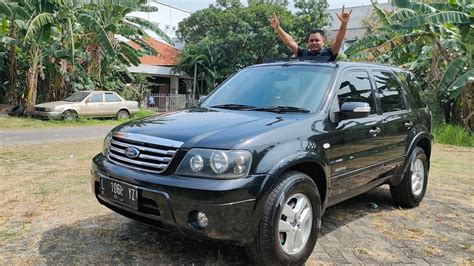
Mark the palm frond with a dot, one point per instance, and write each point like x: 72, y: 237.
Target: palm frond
x: 132, y: 55
x: 448, y: 17
x: 37, y: 23
x: 99, y: 32
x: 152, y: 26
x: 451, y: 72
x: 364, y: 43
x: 457, y: 87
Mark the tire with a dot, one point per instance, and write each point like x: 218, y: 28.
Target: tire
x: 69, y: 115
x: 410, y: 192
x: 123, y: 114
x: 16, y: 110
x: 273, y: 245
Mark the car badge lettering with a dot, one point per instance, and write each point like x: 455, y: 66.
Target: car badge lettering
x: 132, y: 152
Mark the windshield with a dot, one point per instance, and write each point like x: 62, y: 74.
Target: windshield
x: 77, y: 97
x: 302, y: 87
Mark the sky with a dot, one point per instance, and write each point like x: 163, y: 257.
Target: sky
x: 193, y: 5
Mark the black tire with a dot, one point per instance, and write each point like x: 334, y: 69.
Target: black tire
x: 16, y: 110
x: 123, y: 114
x: 69, y: 115
x: 403, y: 194
x: 268, y: 247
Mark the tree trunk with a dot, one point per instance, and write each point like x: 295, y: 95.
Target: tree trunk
x: 33, y: 72
x: 14, y: 96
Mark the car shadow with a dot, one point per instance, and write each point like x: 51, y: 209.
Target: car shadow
x: 111, y: 238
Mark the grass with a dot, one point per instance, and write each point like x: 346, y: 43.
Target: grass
x: 453, y: 135
x: 25, y: 123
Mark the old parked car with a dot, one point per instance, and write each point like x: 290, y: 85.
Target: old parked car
x: 259, y: 161
x: 88, y: 104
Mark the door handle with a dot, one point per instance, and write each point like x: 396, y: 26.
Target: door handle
x: 408, y: 124
x: 375, y: 131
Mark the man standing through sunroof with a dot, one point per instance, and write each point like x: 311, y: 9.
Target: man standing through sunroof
x: 316, y: 39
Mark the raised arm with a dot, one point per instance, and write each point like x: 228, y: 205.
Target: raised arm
x: 344, y: 18
x: 285, y: 37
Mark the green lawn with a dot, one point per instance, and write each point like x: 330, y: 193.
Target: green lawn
x: 24, y: 123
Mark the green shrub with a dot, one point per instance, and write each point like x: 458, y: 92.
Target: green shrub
x: 453, y: 135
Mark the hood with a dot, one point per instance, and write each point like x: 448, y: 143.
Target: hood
x: 210, y: 128
x: 54, y: 104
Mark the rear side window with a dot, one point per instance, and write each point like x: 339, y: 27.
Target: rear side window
x: 390, y: 92
x: 355, y: 87
x: 110, y: 97
x: 412, y: 88
x: 97, y: 98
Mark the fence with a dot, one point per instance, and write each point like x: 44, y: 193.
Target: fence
x: 169, y: 102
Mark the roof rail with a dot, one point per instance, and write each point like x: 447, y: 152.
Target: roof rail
x: 313, y: 59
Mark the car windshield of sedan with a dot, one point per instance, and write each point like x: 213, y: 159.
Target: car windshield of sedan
x: 293, y: 88
x: 77, y: 97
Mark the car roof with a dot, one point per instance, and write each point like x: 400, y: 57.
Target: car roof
x: 341, y: 65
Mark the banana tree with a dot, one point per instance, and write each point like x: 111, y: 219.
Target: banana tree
x: 16, y: 16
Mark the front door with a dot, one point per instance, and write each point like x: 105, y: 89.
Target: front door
x: 94, y: 105
x: 355, y: 142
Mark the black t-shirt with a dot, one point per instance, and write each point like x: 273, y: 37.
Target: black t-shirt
x: 324, y: 52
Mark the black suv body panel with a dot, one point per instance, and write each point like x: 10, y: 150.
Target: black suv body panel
x: 343, y: 157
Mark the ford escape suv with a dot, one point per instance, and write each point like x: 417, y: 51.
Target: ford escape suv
x: 260, y: 159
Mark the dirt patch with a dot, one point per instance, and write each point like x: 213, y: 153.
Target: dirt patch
x: 48, y: 215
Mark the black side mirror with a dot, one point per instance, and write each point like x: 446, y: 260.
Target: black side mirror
x: 354, y: 110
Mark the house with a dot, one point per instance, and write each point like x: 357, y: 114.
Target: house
x: 160, y: 67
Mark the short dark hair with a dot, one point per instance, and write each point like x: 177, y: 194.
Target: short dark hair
x: 315, y: 31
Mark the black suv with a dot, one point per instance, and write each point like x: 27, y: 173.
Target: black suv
x: 260, y: 159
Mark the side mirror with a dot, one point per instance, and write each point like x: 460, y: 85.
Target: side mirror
x: 354, y: 110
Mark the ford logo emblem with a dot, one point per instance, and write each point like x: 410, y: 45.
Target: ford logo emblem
x: 132, y: 152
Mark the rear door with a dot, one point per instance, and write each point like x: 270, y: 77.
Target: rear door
x: 112, y: 104
x: 398, y: 119
x: 355, y: 142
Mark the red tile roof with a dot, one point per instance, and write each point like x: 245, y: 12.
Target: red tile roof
x: 167, y: 54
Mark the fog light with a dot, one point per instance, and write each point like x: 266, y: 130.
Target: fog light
x: 201, y: 219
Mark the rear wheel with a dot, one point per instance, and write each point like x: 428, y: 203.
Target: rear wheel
x: 123, y: 114
x: 410, y: 192
x: 290, y: 224
x: 69, y: 115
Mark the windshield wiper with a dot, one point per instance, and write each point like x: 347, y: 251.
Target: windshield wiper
x: 233, y: 106
x: 282, y: 109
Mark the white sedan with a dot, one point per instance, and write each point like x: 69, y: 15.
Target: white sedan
x: 88, y: 104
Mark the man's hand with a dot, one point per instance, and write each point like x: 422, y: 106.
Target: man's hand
x: 274, y: 22
x: 344, y: 16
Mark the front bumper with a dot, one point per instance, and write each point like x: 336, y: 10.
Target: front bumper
x: 233, y: 207
x: 44, y: 114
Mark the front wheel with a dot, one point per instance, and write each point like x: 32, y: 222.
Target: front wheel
x: 290, y: 224
x: 411, y: 190
x: 69, y: 115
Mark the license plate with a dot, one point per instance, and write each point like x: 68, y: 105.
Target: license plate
x: 119, y: 192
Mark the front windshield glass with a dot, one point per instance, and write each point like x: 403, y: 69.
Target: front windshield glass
x: 77, y: 97
x: 260, y: 87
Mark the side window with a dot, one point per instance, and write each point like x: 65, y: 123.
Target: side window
x: 355, y: 87
x: 110, y: 97
x: 412, y: 88
x: 97, y: 98
x: 390, y: 92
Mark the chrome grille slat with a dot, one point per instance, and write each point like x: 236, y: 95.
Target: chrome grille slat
x: 140, y: 163
x: 144, y: 156
x: 141, y: 148
x: 149, y: 159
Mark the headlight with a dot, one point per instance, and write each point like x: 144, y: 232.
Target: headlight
x: 215, y: 163
x: 106, y: 146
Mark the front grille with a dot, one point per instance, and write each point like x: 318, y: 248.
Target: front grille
x: 155, y: 153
